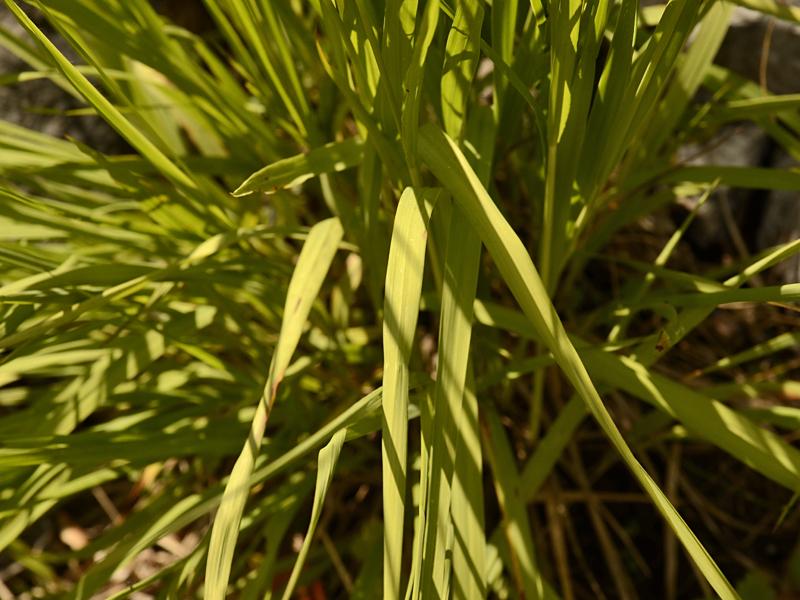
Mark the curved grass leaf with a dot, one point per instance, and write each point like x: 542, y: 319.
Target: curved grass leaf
x: 650, y: 350
x: 754, y: 108
x: 412, y: 85
x: 784, y: 341
x: 789, y: 292
x: 708, y: 419
x: 312, y: 268
x: 103, y: 106
x: 516, y: 524
x: 360, y: 419
x: 326, y: 465
x: 703, y: 416
x: 467, y: 504
x: 292, y: 171
x: 519, y: 273
x: 775, y: 8
x: 759, y: 178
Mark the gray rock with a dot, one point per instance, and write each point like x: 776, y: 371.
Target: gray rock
x: 753, y: 37
x: 737, y: 145
x: 780, y: 224
x: 757, y: 47
x: 40, y: 104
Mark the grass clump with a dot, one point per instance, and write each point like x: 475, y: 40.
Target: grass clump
x: 338, y: 315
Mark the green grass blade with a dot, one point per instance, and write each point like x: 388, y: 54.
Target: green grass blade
x: 564, y: 28
x: 759, y: 178
x: 776, y: 8
x: 455, y: 333
x: 503, y: 28
x: 660, y: 261
x: 412, y: 86
x: 469, y: 537
x: 398, y: 36
x: 737, y: 435
x: 779, y: 293
x: 311, y: 269
x: 107, y: 110
x: 516, y: 526
x: 727, y: 429
x: 690, y: 74
x: 461, y: 60
x: 519, y: 273
x: 326, y: 465
x: 612, y: 87
x: 571, y: 92
x: 779, y: 343
x: 656, y: 345
x: 551, y: 447
x: 292, y: 171
x: 426, y: 443
x: 754, y: 108
x: 401, y: 308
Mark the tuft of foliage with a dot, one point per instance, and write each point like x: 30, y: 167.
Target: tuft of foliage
x: 338, y: 317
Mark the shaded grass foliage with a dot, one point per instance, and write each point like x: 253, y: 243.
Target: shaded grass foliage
x: 337, y: 320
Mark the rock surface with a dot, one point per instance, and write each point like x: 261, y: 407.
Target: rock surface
x: 754, y: 38
x: 41, y: 105
x: 765, y: 50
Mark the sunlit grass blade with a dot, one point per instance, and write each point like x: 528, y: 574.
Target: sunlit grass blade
x: 327, y: 463
x: 404, y: 275
x: 414, y: 587
x: 116, y: 292
x: 690, y: 74
x: 760, y: 449
x: 312, y: 268
x: 784, y: 341
x: 571, y: 93
x: 412, y: 85
x: 461, y: 54
x: 780, y: 293
x: 292, y: 171
x: 398, y: 33
x: 520, y: 275
x: 772, y: 7
x: 752, y: 108
x: 467, y: 505
x: 515, y: 526
x: 564, y: 31
x: 339, y: 71
x: 455, y: 333
x: 503, y: 20
x: 654, y: 347
x: 647, y: 73
x: 759, y: 178
x: 660, y: 261
x: 103, y: 106
x: 361, y: 418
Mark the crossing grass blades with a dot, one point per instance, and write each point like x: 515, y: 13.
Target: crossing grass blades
x: 370, y: 307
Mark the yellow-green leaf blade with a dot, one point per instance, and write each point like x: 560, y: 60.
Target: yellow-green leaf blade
x: 519, y: 273
x: 288, y: 172
x: 401, y: 308
x: 312, y: 267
